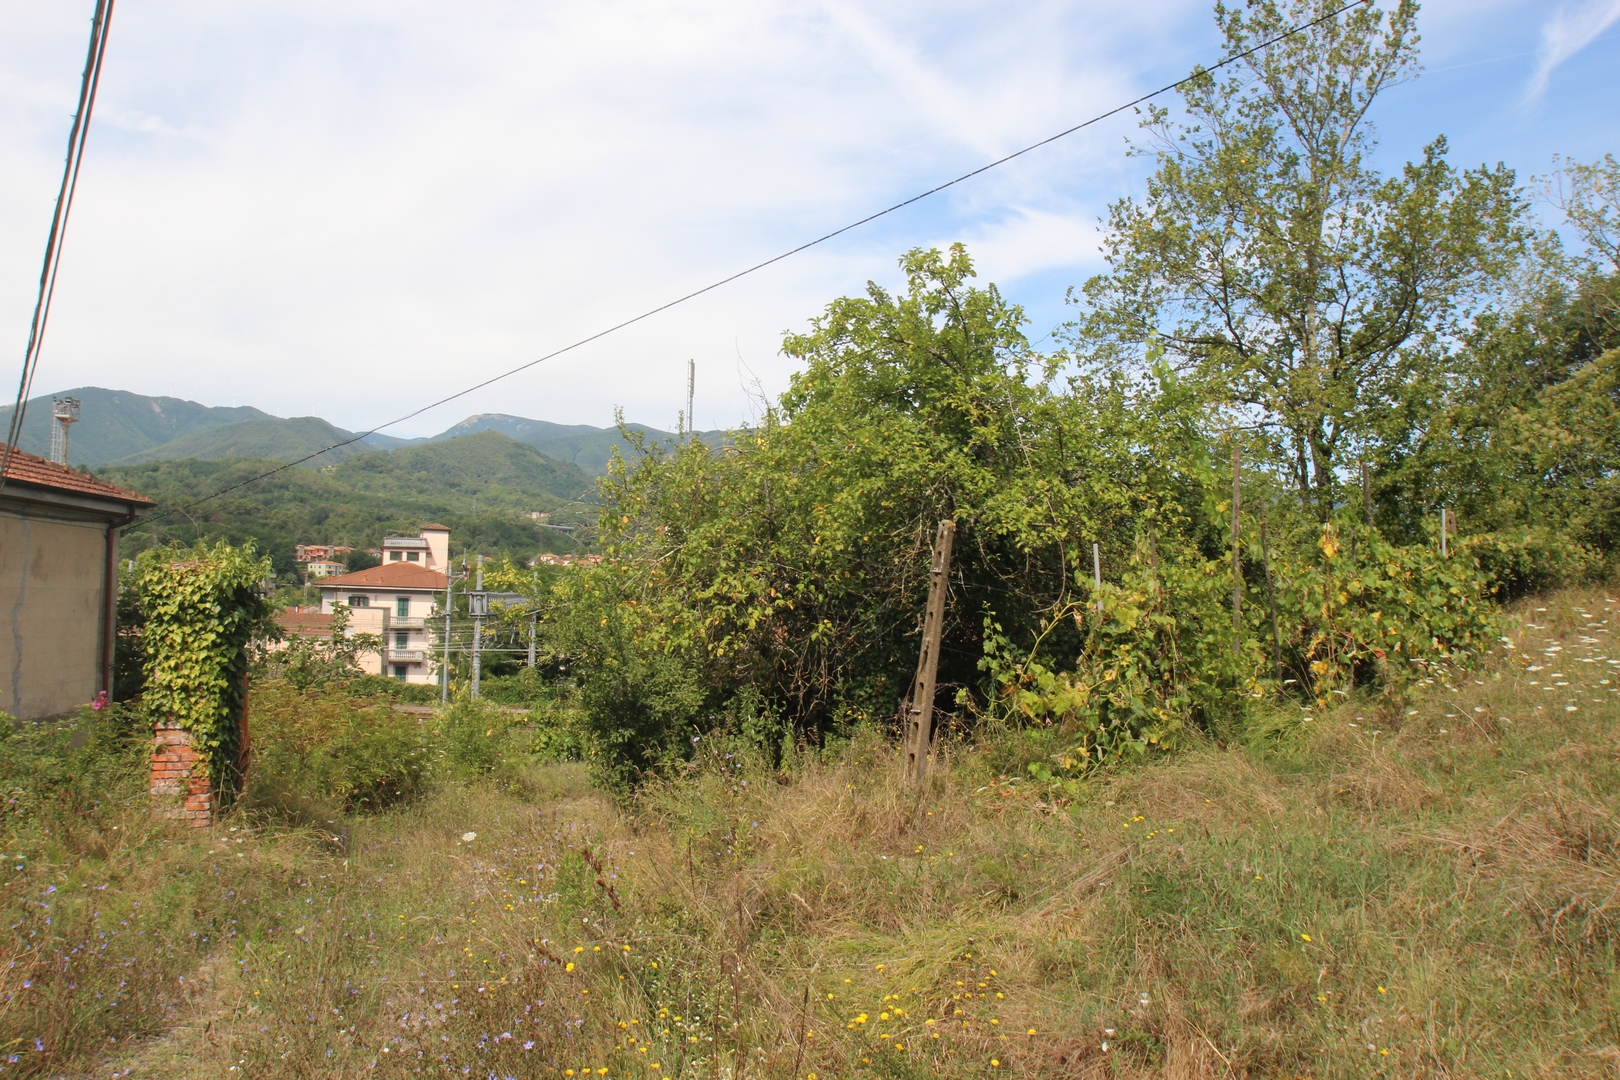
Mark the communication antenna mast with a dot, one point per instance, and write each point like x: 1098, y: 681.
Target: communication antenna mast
x: 691, y: 384
x: 64, y: 411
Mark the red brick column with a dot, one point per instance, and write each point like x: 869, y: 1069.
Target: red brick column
x: 177, y: 780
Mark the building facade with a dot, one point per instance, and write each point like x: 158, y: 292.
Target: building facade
x: 58, y: 585
x: 397, y: 601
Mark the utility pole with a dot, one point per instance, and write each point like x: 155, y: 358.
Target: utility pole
x: 532, y: 620
x: 1237, y: 556
x: 478, y: 606
x: 919, y: 732
x: 449, y: 608
x: 691, y: 385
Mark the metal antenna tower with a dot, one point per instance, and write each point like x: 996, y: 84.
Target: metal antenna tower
x: 64, y: 411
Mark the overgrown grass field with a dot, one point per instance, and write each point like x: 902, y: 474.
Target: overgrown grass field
x: 1405, y: 888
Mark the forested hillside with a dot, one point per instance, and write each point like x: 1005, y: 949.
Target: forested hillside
x: 591, y: 448
x: 117, y: 423
x: 267, y: 439
x: 483, y: 486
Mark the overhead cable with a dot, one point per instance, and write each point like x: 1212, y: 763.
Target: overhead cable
x: 1197, y: 73
x: 88, y: 84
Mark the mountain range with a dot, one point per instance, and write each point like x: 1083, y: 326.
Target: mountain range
x: 117, y: 427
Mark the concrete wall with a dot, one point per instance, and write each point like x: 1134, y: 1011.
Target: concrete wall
x: 52, y: 603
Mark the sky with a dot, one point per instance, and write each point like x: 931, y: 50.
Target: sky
x: 351, y: 209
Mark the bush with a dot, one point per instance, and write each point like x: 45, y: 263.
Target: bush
x: 59, y: 771
x: 1517, y: 562
x: 315, y: 752
x: 471, y: 738
x: 382, y: 688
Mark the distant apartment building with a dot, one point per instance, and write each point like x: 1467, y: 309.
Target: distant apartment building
x: 396, y: 601
x: 322, y: 568
x: 565, y: 560
x: 324, y: 552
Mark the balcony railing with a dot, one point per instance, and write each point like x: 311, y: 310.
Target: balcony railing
x: 407, y: 622
x: 407, y: 656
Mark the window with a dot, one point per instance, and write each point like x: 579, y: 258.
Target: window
x: 399, y: 672
x: 393, y: 556
x: 402, y: 606
x: 359, y: 601
x: 413, y: 556
x: 402, y: 639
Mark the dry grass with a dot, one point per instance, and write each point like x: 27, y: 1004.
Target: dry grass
x: 1407, y: 889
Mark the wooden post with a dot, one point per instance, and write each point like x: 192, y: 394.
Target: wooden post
x: 1096, y: 574
x: 1237, y: 556
x: 919, y: 732
x: 1271, y: 601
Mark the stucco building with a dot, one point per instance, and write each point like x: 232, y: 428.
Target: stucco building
x: 397, y: 602
x: 58, y: 584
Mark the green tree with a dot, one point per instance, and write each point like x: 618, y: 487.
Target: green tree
x: 1310, y: 294
x: 776, y: 585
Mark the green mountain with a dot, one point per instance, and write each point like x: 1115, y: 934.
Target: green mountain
x: 270, y: 438
x: 485, y: 487
x: 591, y: 448
x: 116, y: 424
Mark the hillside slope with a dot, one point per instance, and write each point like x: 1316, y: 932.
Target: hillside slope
x: 483, y: 487
x: 269, y: 438
x: 116, y: 424
x: 590, y: 448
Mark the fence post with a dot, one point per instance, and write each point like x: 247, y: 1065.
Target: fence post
x: 919, y: 731
x: 1237, y: 557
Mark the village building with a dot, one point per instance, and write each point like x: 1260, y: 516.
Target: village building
x: 58, y: 584
x: 324, y: 552
x: 315, y: 569
x: 396, y: 601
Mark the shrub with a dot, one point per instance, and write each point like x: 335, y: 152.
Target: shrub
x: 317, y: 751
x: 1367, y: 611
x: 1516, y: 562
x: 471, y: 737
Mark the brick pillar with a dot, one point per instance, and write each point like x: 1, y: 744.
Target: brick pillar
x: 175, y: 776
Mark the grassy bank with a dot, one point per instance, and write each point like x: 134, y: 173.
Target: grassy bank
x: 1415, y: 888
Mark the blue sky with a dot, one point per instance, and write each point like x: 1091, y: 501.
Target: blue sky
x: 348, y: 209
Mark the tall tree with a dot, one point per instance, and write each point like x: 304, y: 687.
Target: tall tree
x: 1310, y: 293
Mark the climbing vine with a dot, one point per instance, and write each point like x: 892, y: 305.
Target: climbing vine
x: 202, y: 607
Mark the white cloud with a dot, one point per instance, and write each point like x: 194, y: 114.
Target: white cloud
x: 1570, y: 30
x: 349, y: 209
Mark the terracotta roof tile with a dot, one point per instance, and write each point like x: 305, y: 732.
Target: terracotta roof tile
x: 31, y: 469
x: 394, y: 575
x: 306, y: 623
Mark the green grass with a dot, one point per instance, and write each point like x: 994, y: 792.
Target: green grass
x: 1414, y: 888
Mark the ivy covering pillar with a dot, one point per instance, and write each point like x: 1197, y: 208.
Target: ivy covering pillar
x: 202, y: 608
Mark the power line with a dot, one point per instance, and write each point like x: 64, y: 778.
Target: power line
x: 806, y: 246
x: 100, y: 22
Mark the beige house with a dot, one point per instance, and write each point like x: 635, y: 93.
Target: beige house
x: 58, y: 584
x: 397, y: 602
